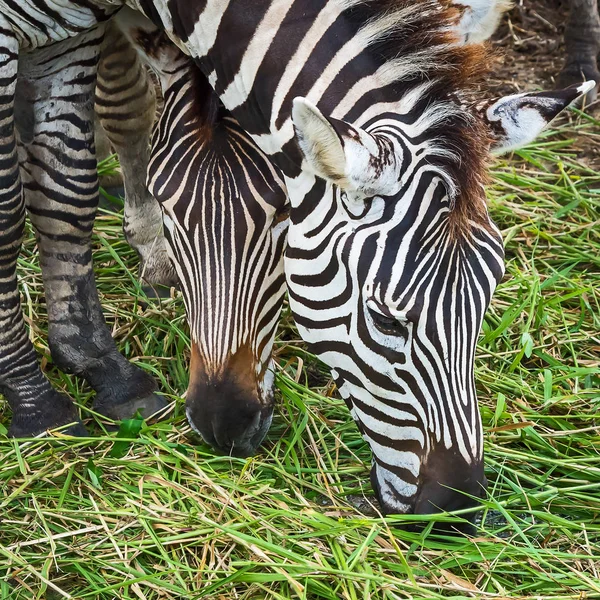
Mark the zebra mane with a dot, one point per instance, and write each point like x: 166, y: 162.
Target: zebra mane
x: 419, y: 41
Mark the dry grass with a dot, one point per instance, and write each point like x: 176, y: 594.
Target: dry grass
x: 158, y: 515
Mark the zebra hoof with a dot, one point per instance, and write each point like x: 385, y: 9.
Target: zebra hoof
x: 133, y: 390
x: 149, y: 406
x: 56, y: 411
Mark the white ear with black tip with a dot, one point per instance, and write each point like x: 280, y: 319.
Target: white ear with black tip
x: 345, y: 155
x: 517, y: 120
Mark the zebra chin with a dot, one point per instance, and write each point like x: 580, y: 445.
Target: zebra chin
x: 232, y: 410
x: 441, y: 486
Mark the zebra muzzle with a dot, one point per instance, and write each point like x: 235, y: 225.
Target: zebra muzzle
x: 226, y: 408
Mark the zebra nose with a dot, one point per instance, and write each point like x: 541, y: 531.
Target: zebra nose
x: 224, y: 405
x: 441, y: 486
x: 455, y: 490
x: 229, y: 424
x: 435, y: 496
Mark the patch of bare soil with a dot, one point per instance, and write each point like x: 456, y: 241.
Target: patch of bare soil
x: 529, y: 48
x: 528, y: 55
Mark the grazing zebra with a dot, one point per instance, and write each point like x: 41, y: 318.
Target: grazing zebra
x: 225, y: 214
x: 227, y: 241
x: 392, y: 258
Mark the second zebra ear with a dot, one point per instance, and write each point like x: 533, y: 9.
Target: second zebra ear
x: 345, y: 155
x: 516, y: 121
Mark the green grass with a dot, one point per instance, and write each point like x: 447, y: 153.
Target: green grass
x: 157, y: 515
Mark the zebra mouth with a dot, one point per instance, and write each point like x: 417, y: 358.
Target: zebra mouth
x: 242, y: 444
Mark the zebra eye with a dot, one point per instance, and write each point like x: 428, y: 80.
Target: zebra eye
x: 388, y: 325
x: 282, y: 214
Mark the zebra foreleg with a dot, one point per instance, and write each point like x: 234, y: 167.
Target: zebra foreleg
x: 61, y: 188
x: 36, y: 406
x: 582, y: 39
x: 125, y: 103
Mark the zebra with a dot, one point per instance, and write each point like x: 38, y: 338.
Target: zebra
x: 232, y: 300
x: 392, y: 257
x: 225, y: 216
x: 364, y: 106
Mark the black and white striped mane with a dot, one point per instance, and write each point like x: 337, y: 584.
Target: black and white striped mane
x: 418, y: 39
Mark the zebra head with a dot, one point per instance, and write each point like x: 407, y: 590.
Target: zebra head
x: 225, y: 224
x: 391, y: 263
x: 225, y: 220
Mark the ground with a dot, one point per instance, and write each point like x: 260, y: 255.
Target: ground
x: 158, y: 515
x: 528, y: 46
x: 528, y: 54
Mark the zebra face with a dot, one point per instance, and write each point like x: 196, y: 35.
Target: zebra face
x: 225, y: 221
x: 392, y: 300
x: 391, y: 264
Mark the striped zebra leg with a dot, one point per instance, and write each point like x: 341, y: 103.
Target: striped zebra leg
x: 125, y: 103
x: 61, y: 187
x: 35, y: 405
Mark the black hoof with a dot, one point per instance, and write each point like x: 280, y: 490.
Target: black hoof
x: 148, y: 406
x: 53, y: 411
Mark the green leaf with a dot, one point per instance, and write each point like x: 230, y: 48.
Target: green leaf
x: 94, y: 473
x: 547, y: 384
x: 527, y: 343
x: 128, y: 430
x: 500, y: 406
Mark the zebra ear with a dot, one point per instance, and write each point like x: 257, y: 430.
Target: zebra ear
x: 516, y: 121
x: 343, y: 154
